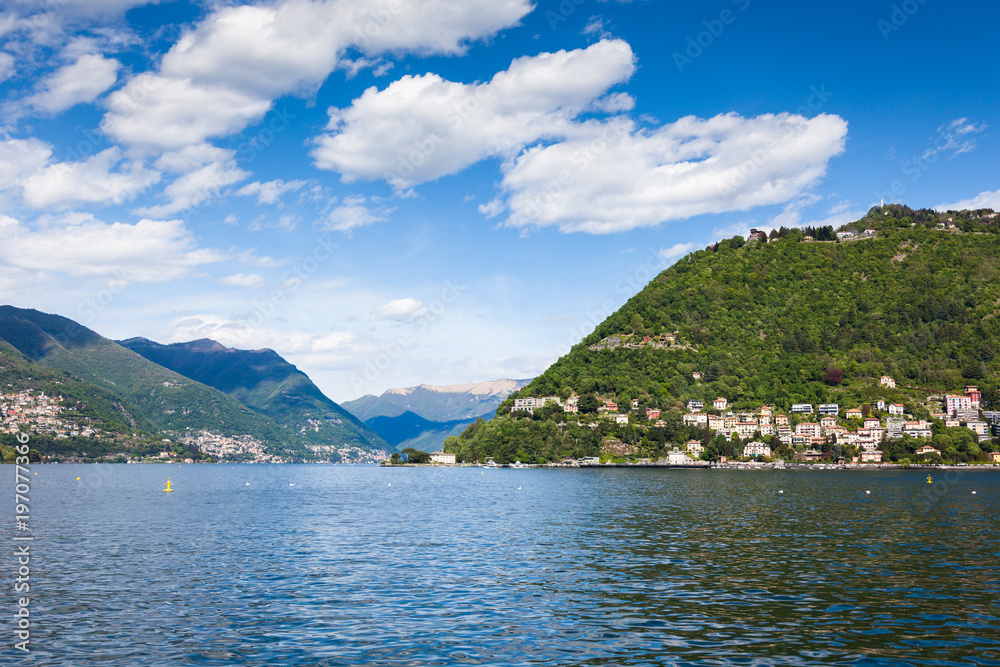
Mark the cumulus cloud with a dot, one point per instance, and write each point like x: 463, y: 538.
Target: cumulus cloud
x: 147, y: 251
x: 422, y: 127
x: 270, y: 192
x: 675, y: 251
x: 244, y: 330
x: 6, y: 66
x: 80, y: 82
x: 243, y: 280
x: 224, y: 73
x: 103, y: 178
x: 196, y: 187
x: 985, y: 199
x: 399, y: 310
x: 352, y: 213
x: 26, y: 168
x: 613, y: 176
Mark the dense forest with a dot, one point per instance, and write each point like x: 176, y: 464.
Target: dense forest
x: 805, y: 316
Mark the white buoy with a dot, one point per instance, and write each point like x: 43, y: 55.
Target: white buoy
x: 973, y: 493
x: 291, y: 484
x: 868, y: 492
x: 248, y: 484
x: 389, y: 484
x: 519, y: 488
x: 781, y: 491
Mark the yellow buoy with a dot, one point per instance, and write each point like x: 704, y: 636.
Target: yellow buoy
x: 170, y: 487
x: 929, y: 480
x: 78, y: 479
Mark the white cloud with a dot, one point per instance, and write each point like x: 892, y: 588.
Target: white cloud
x: 270, y: 192
x: 956, y: 137
x: 676, y: 250
x: 158, y: 112
x: 614, y: 103
x: 223, y: 74
x: 196, y: 187
x: 6, y: 66
x: 351, y: 214
x: 613, y: 177
x: 243, y: 280
x: 100, y: 179
x: 982, y: 200
x: 422, y: 127
x: 26, y: 169
x: 399, y: 310
x: 19, y: 157
x: 147, y: 251
x: 244, y: 331
x: 80, y: 82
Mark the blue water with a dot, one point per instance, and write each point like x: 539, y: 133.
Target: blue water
x: 337, y: 565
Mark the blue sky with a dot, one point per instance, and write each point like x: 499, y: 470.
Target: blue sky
x: 392, y: 192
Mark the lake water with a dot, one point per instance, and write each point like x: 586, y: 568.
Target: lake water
x: 340, y: 565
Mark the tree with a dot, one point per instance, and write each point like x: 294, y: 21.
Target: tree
x: 834, y: 376
x: 588, y: 404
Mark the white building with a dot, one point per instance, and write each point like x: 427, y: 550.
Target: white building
x: 755, y: 449
x: 676, y: 457
x: 886, y: 381
x: 442, y: 457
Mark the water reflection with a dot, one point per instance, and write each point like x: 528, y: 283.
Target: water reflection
x: 314, y: 565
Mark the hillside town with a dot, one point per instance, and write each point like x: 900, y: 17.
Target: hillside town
x: 42, y: 414
x: 807, y: 429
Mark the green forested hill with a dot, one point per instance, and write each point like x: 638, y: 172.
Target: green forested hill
x: 264, y: 381
x: 794, y: 321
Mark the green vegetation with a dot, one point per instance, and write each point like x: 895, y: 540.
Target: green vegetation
x: 265, y: 382
x: 777, y: 323
x: 137, y: 402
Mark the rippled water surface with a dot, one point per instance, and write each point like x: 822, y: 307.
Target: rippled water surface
x: 337, y: 565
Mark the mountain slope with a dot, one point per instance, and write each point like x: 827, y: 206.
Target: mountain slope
x: 464, y: 401
x: 423, y: 417
x: 264, y: 381
x: 796, y: 321
x: 153, y: 396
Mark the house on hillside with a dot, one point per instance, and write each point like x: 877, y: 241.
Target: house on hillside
x: 871, y: 456
x: 676, y: 457
x: 853, y: 413
x: 720, y: 403
x: 975, y: 396
x: 886, y: 381
x: 755, y: 449
x: 896, y: 409
x: 927, y: 449
x: 994, y: 457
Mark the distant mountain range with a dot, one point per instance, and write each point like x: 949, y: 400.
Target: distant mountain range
x: 143, y: 390
x: 266, y: 383
x: 422, y: 417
